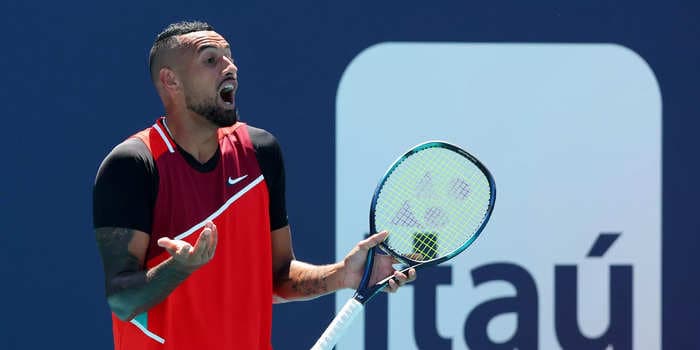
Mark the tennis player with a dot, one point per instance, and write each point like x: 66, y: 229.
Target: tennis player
x: 190, y: 215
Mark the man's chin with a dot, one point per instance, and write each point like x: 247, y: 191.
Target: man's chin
x: 216, y: 115
x: 223, y: 123
x: 225, y: 119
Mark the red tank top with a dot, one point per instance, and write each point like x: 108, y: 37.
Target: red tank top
x: 227, y: 303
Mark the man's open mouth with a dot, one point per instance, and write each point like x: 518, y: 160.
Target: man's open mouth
x: 226, y: 92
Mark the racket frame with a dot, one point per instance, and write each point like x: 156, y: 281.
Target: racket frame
x: 364, y: 292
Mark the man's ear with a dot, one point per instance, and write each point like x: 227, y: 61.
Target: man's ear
x: 168, y: 79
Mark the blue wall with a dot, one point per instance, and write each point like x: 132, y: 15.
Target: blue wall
x: 75, y: 83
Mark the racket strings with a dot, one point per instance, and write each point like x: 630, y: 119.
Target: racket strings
x: 432, y: 203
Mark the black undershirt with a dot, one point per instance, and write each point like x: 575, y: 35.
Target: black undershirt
x: 126, y: 185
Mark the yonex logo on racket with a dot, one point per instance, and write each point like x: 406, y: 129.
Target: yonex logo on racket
x: 434, y: 216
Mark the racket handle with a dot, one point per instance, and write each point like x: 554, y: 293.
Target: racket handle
x: 340, y: 324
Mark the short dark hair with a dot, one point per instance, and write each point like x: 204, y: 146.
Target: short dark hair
x: 167, y: 39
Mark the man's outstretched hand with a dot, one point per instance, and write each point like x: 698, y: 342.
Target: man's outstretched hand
x: 189, y: 257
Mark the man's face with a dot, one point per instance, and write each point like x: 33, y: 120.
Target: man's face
x: 209, y: 77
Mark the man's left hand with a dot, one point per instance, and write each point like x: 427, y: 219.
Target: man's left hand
x: 354, y: 266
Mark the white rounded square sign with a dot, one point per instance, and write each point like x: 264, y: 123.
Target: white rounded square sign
x: 572, y: 135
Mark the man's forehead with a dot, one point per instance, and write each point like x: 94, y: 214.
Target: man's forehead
x: 203, y: 39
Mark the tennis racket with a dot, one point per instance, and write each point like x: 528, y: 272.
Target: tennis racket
x: 434, y: 200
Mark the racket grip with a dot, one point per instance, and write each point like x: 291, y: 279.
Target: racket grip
x: 340, y: 324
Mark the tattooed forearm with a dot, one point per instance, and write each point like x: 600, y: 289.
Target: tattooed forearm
x: 310, y: 283
x: 160, y: 281
x: 303, y: 281
x: 131, y: 289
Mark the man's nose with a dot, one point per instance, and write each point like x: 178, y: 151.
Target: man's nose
x: 230, y: 68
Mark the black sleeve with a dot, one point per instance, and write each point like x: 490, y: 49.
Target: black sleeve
x: 125, y: 188
x: 269, y: 156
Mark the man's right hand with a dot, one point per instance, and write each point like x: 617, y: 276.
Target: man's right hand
x: 193, y: 257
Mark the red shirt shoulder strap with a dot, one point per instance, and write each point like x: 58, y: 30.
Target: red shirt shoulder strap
x: 156, y: 139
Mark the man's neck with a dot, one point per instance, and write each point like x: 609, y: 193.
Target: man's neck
x: 193, y: 133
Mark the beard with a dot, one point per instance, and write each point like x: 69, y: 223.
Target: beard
x: 212, y: 112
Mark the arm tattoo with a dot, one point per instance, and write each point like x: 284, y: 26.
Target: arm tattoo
x: 130, y: 288
x: 310, y: 283
x: 122, y: 269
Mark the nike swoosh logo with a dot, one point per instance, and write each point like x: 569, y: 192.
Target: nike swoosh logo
x: 232, y: 181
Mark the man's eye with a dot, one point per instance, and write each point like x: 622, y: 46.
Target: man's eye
x: 211, y: 60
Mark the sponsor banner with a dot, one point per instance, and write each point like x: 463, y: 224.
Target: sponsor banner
x: 572, y: 134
